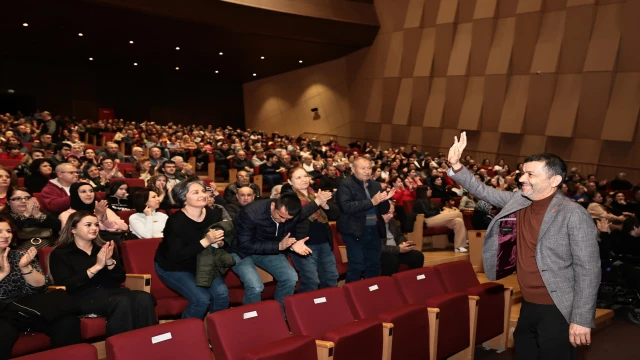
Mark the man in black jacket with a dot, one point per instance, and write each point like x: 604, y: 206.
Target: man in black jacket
x: 396, y: 249
x: 362, y: 203
x: 264, y: 229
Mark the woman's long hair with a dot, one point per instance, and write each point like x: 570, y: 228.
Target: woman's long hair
x: 14, y: 230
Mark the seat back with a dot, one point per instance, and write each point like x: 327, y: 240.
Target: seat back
x: 367, y: 298
x: 234, y: 331
x: 180, y: 339
x: 131, y: 182
x: 124, y: 215
x: 138, y: 258
x: 317, y: 312
x: 457, y: 276
x: 71, y: 352
x: 43, y: 259
x: 417, y: 285
x: 337, y: 242
x: 10, y: 163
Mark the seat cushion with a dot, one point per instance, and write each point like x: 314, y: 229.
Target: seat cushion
x: 360, y: 339
x: 172, y: 307
x: 290, y: 348
x: 490, y: 310
x: 29, y: 343
x: 453, y: 329
x: 410, y: 331
x: 71, y: 352
x: 93, y: 327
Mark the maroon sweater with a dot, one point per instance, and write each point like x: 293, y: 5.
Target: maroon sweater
x: 528, y: 225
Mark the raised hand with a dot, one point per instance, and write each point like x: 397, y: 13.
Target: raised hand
x: 382, y: 196
x: 147, y: 211
x: 35, y: 211
x: 455, y: 152
x: 286, y: 242
x: 29, y: 210
x: 603, y: 225
x: 26, y: 259
x: 5, y: 266
x: 322, y: 197
x: 109, y: 252
x: 101, y: 259
x: 300, y: 247
x: 101, y: 209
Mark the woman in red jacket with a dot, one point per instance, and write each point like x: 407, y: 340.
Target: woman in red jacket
x: 401, y: 193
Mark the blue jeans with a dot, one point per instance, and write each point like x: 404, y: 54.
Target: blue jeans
x: 214, y: 298
x: 276, y: 265
x: 317, y: 270
x: 364, y: 254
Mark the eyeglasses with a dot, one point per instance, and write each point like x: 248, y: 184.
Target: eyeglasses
x: 23, y: 198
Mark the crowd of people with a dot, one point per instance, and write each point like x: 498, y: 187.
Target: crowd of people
x: 308, y: 183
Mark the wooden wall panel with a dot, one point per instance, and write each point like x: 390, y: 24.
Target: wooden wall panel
x: 594, y: 101
x: 495, y: 90
x: 414, y: 14
x: 424, y: 59
x: 622, y: 115
x: 554, y: 5
x: 430, y: 13
x: 435, y: 104
x: 529, y: 6
x: 459, y: 60
x: 527, y: 28
x: 500, y: 53
x: 444, y: 43
x: 472, y: 105
x: 394, y: 59
x: 532, y: 144
x: 456, y: 87
x: 403, y: 103
x: 577, y: 33
x: 466, y: 10
x: 564, y: 109
x: 447, y: 12
x: 391, y: 87
x: 480, y: 45
x: 629, y: 44
x: 515, y: 105
x: 507, y: 8
x: 375, y: 103
x: 485, y: 9
x: 420, y: 90
x: 605, y: 39
x: 412, y: 39
x: 547, y: 51
x: 541, y: 89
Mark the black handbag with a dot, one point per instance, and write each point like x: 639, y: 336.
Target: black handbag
x: 34, y: 237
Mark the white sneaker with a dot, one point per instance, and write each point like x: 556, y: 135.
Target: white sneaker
x: 462, y: 250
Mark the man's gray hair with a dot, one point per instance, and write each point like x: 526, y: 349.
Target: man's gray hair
x: 180, y: 190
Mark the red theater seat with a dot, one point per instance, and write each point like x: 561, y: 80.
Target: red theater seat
x: 180, y: 339
x: 130, y: 182
x: 137, y: 257
x: 72, y: 352
x: 256, y: 331
x: 378, y: 298
x: 454, y: 323
x: 337, y: 242
x: 325, y: 315
x: 29, y: 343
x: 494, y: 304
x: 125, y: 215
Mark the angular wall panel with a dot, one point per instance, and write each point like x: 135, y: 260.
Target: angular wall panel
x: 594, y: 101
x: 577, y: 33
x: 447, y: 12
x: 547, y: 51
x: 459, y: 60
x: 435, y: 104
x: 500, y: 53
x: 456, y: 87
x: 629, y: 44
x: 391, y: 86
x: 414, y: 14
x: 430, y: 13
x: 375, y: 103
x: 411, y: 46
x: 554, y: 5
x: 541, y: 89
x: 403, y: 103
x: 444, y: 43
x: 515, y: 105
x: 480, y: 45
x: 420, y: 95
x: 529, y: 6
x: 565, y: 106
x: 472, y: 105
x: 394, y: 59
x: 622, y: 115
x: 526, y: 36
x: 605, y: 39
x: 466, y: 9
x: 485, y: 9
x: 495, y: 90
x: 424, y: 59
x: 507, y: 8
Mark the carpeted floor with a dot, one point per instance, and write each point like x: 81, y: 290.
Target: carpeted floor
x: 619, y: 341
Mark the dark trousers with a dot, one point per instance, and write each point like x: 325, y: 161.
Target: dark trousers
x: 64, y: 331
x: 364, y: 254
x: 124, y: 309
x: 542, y: 333
x: 391, y: 262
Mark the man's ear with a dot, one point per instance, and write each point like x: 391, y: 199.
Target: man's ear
x: 556, y: 180
x: 273, y: 206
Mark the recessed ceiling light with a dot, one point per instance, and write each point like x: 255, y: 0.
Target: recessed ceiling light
x: 217, y: 71
x: 177, y: 68
x: 262, y: 57
x: 80, y: 34
x: 300, y: 61
x: 90, y: 59
x: 130, y: 41
x: 254, y: 74
x: 221, y: 53
x: 25, y: 24
x: 135, y: 64
x: 177, y: 47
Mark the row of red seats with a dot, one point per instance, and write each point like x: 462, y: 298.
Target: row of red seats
x: 440, y: 311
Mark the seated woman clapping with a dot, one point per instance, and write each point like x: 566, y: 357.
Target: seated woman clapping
x: 188, y: 235
x: 22, y: 284
x: 84, y: 199
x: 147, y: 222
x: 91, y: 270
x: 34, y: 227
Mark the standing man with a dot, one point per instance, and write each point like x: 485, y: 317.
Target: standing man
x: 557, y: 259
x: 362, y: 203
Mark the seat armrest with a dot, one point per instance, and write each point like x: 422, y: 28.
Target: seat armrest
x: 55, y: 287
x: 434, y: 324
x: 325, y: 349
x: 343, y: 254
x: 387, y: 340
x: 140, y: 282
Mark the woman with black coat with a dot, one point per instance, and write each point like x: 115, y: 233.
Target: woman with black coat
x: 41, y: 172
